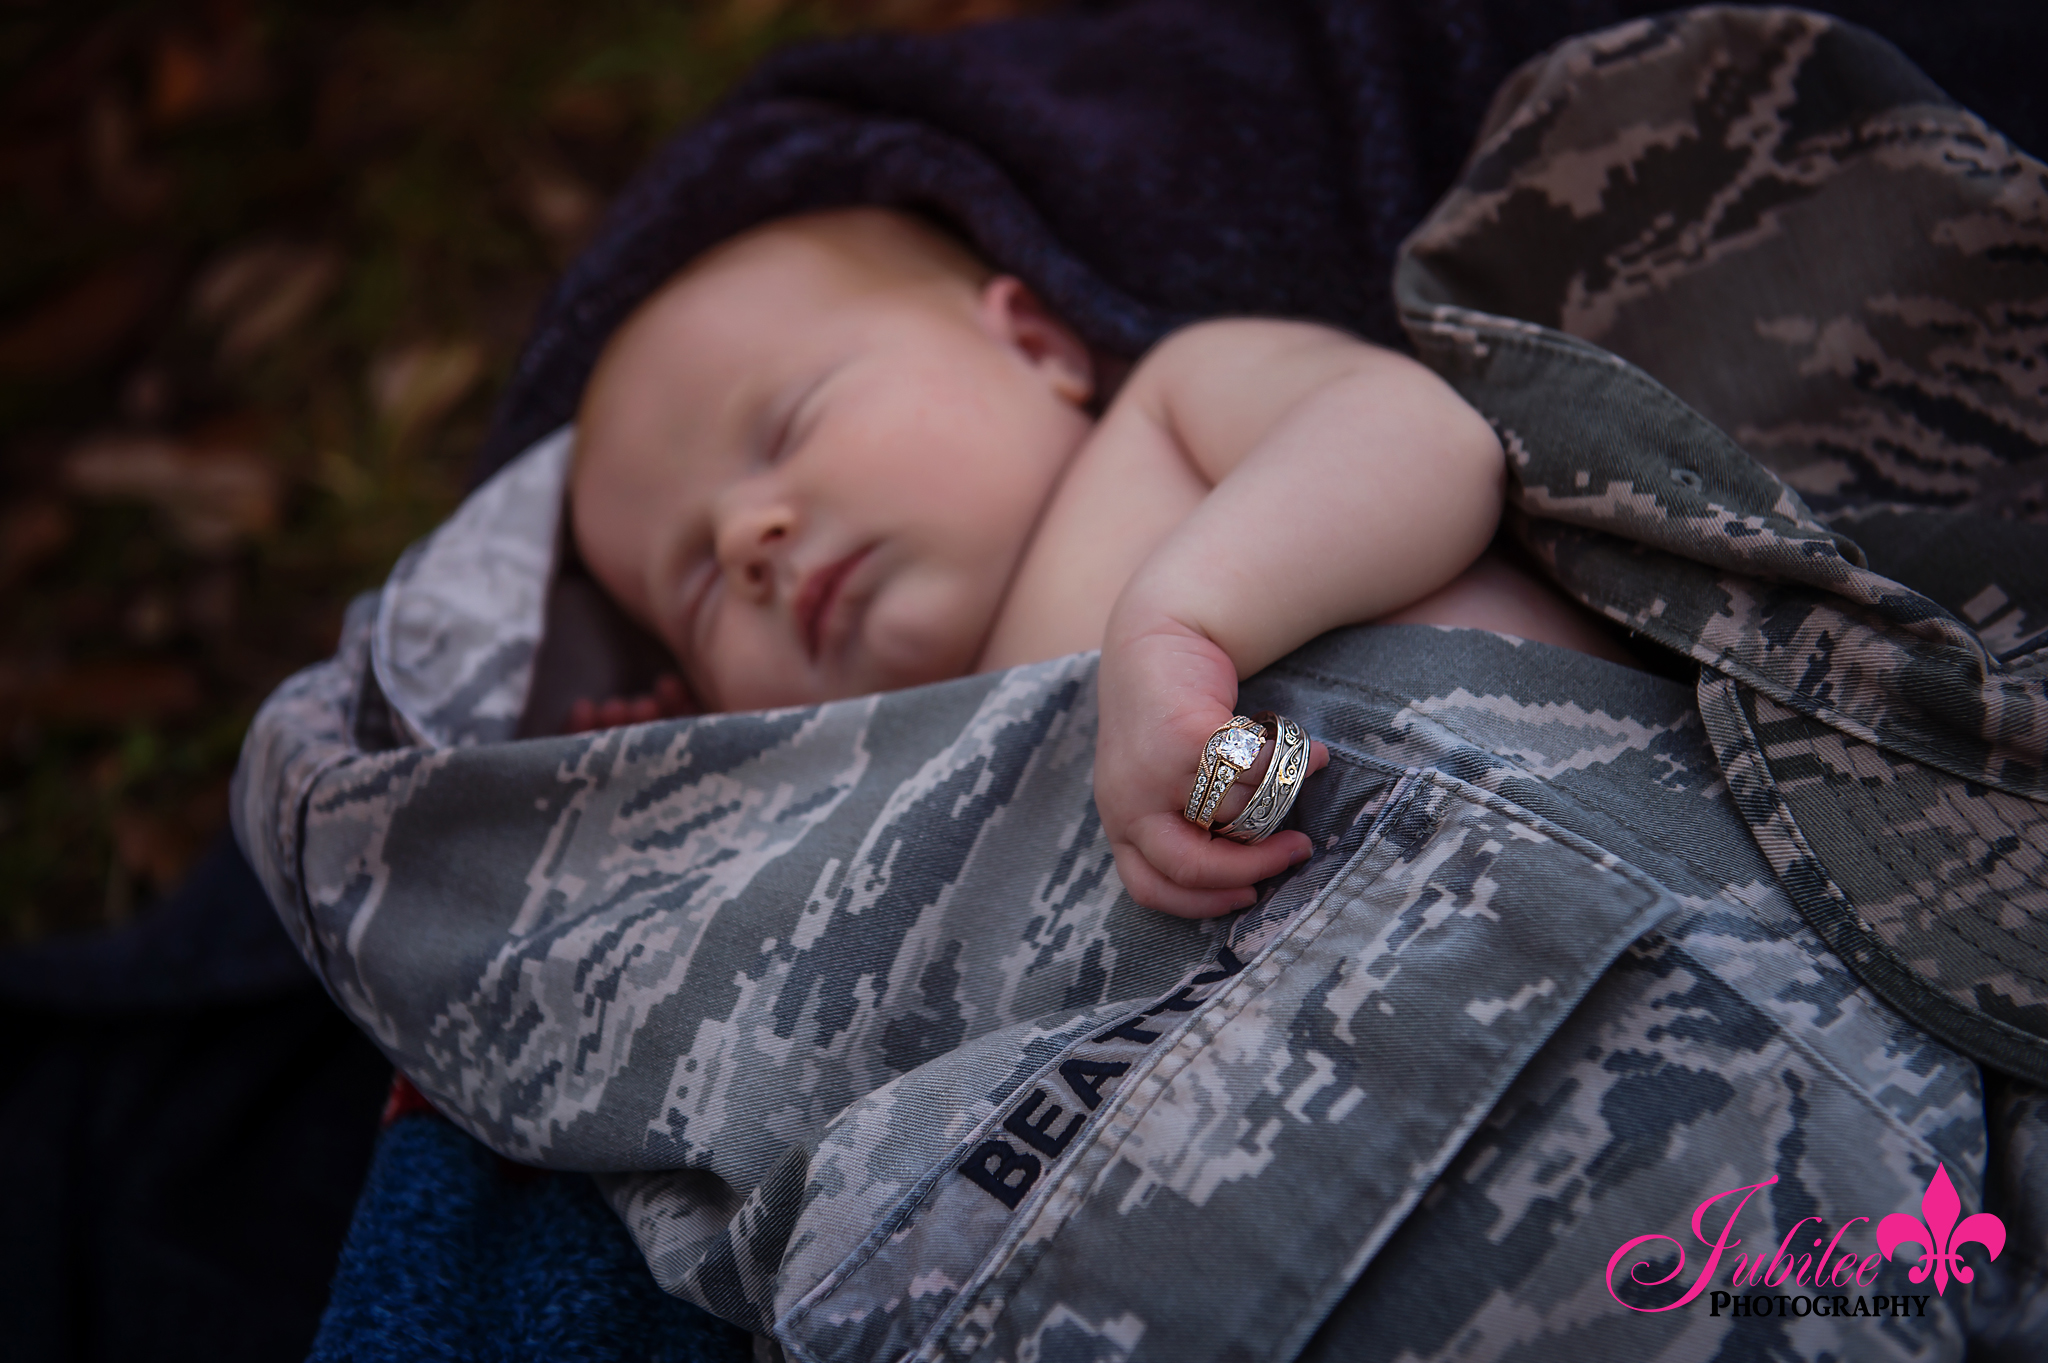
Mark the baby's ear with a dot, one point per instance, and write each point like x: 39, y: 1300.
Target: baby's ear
x: 1012, y: 314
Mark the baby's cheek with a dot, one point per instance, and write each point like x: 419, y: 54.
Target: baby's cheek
x: 740, y: 670
x: 921, y: 627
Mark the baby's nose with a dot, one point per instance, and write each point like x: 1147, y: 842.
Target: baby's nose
x: 751, y: 539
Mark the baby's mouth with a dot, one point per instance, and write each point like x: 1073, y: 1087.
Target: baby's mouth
x: 819, y: 595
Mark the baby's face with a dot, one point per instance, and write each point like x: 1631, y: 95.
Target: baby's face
x: 813, y: 478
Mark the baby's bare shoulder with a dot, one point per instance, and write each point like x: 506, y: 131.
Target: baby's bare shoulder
x: 1218, y: 387
x: 1233, y: 349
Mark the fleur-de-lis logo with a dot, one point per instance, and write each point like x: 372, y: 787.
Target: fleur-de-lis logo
x: 1939, y: 1204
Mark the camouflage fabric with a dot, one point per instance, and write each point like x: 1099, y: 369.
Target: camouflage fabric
x: 846, y: 1011
x: 1825, y: 260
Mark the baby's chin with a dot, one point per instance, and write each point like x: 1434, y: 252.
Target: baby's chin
x: 909, y: 634
x: 728, y: 693
x: 912, y: 638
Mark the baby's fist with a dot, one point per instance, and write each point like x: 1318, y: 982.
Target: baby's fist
x: 1163, y: 690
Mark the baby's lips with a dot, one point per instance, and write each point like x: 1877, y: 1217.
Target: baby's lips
x: 819, y: 597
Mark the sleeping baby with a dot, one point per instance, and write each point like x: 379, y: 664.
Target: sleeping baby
x: 838, y: 454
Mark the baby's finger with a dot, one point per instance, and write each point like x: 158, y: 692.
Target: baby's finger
x: 1154, y: 891
x: 1194, y: 860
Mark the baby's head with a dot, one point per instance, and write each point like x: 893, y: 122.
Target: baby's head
x: 811, y: 462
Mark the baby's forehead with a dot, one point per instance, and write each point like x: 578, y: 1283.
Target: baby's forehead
x: 712, y: 329
x: 696, y: 363
x: 835, y: 259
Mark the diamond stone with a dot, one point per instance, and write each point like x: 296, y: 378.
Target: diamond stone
x: 1239, y: 747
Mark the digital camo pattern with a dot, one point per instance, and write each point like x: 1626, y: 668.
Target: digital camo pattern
x: 1288, y: 1090
x: 461, y: 617
x: 846, y: 1009
x: 1749, y: 172
x: 1846, y: 277
x: 1949, y: 890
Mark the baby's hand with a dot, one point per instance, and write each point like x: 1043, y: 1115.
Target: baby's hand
x: 668, y: 700
x: 1163, y: 691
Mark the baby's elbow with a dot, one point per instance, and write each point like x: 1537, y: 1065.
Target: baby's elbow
x: 1474, y: 438
x: 1478, y: 463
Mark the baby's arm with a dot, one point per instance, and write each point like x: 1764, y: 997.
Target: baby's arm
x: 1348, y: 481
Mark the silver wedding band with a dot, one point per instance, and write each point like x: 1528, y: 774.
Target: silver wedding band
x: 1275, y: 797
x: 1230, y: 752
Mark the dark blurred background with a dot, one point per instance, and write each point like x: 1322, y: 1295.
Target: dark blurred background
x: 263, y: 267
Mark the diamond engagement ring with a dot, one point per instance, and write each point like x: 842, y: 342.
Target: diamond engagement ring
x: 1275, y: 796
x: 1227, y: 755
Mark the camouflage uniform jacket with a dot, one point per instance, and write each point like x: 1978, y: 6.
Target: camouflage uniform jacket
x: 846, y: 1011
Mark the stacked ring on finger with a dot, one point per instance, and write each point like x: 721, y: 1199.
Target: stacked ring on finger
x: 1227, y: 755
x: 1270, y: 803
